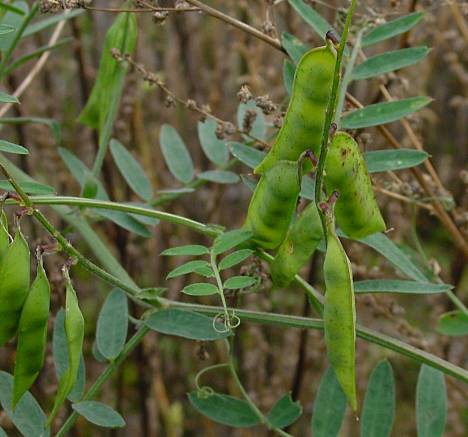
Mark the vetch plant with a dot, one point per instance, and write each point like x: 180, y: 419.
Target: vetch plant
x: 224, y: 269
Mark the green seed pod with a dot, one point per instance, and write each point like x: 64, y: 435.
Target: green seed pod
x: 74, y: 330
x: 303, y: 238
x: 14, y: 286
x: 273, y: 204
x: 32, y: 335
x: 356, y: 210
x: 303, y: 124
x: 339, y: 315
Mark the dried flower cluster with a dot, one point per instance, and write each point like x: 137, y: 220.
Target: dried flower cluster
x: 50, y: 6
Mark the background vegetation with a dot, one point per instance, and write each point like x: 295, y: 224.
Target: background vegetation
x: 205, y: 61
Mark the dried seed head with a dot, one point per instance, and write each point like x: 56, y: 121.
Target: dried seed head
x: 229, y: 128
x: 201, y: 351
x: 249, y: 119
x: 461, y: 217
x: 464, y: 176
x: 365, y: 139
x: 223, y: 129
x: 205, y: 110
x: 378, y: 21
x: 278, y: 121
x: 159, y: 17
x: 191, y: 104
x: 46, y: 6
x: 244, y: 94
x: 220, y: 134
x: 406, y: 189
x: 396, y: 309
x: 152, y: 78
x: 435, y: 266
x: 116, y: 54
x: 268, y: 28
x: 265, y: 104
x: 169, y: 101
x: 181, y: 4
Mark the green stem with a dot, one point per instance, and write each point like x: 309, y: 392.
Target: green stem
x: 232, y: 369
x: 329, y: 116
x: 104, y: 376
x: 417, y: 242
x: 348, y: 75
x: 235, y: 376
x: 457, y: 302
x: 210, y: 231
x: 362, y: 332
x: 205, y: 370
x: 219, y: 283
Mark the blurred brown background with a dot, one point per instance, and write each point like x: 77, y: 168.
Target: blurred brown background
x: 207, y: 60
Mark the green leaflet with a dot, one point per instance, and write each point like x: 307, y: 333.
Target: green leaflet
x: 379, y: 404
x: 14, y: 21
x: 100, y: 414
x: 431, y: 402
x: 329, y: 407
x: 453, y: 323
x: 391, y: 28
x: 28, y: 416
x: 224, y: 409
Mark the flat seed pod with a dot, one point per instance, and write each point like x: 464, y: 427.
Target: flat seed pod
x: 32, y: 335
x: 356, y: 210
x: 273, y: 204
x: 300, y: 243
x: 14, y: 286
x: 303, y: 124
x: 339, y: 314
x: 74, y: 330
